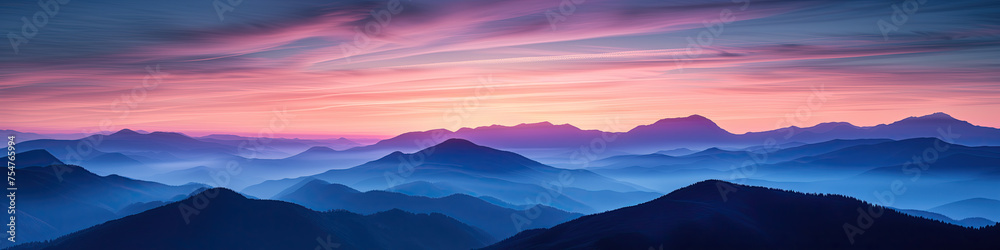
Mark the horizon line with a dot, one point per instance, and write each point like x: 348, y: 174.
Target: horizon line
x: 376, y: 137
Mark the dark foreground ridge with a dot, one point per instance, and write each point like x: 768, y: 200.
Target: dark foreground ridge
x: 230, y: 221
x: 721, y: 215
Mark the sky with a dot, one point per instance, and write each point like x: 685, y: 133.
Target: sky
x: 387, y: 67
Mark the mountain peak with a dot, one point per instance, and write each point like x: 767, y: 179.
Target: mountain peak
x: 169, y: 135
x: 707, y: 191
x: 697, y: 117
x: 461, y: 154
x: 319, y: 149
x: 314, y: 153
x: 938, y: 115
x: 456, y: 143
x: 522, y: 126
x: 124, y: 132
x: 935, y: 117
x: 689, y: 119
x: 220, y: 193
x: 684, y: 125
x: 37, y: 157
x: 537, y: 124
x: 756, y: 215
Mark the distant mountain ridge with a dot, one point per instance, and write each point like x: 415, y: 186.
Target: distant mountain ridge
x: 974, y: 222
x: 970, y: 208
x: 563, y: 145
x: 479, y: 169
x: 542, y: 140
x: 322, y: 196
x: 692, y: 129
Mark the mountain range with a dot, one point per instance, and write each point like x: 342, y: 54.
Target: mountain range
x: 562, y: 146
x: 536, y: 185
x: 721, y: 215
x: 55, y: 199
x: 480, y: 171
x: 697, y: 131
x: 232, y: 221
x: 499, y: 222
x: 557, y: 144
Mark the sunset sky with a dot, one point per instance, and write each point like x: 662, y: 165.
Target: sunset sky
x: 335, y: 69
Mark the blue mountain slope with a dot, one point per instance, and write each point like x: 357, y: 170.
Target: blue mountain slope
x: 714, y: 157
x: 477, y: 169
x: 895, y: 152
x: 974, y: 222
x: 698, y: 217
x: 231, y: 221
x: 465, y: 157
x: 975, y: 207
x: 423, y: 188
x: 59, y: 199
x: 36, y: 158
x: 495, y: 220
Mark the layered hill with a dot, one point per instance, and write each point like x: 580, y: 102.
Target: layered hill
x: 721, y: 215
x: 230, y: 221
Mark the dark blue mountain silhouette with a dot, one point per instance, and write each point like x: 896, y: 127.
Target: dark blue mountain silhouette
x: 525, y: 135
x: 158, y: 155
x: 676, y: 152
x: 423, y: 188
x: 462, y: 157
x: 108, y: 162
x: 231, y: 221
x: 495, y: 220
x: 478, y: 169
x: 975, y: 207
x: 714, y: 156
x: 36, y: 158
x: 876, y: 160
x: 127, y: 140
x: 974, y: 222
x: 896, y: 152
x: 720, y: 215
x: 819, y: 148
x: 126, y: 151
x: 130, y: 153
x: 59, y: 199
